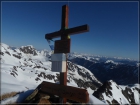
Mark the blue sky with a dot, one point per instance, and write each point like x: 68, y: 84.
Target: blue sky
x: 113, y: 26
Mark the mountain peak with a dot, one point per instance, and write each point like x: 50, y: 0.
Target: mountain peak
x: 28, y: 49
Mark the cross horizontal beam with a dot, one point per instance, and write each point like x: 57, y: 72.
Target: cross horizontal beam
x: 69, y: 92
x: 71, y: 31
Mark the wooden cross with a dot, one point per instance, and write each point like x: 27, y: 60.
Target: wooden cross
x: 64, y: 31
x: 63, y: 45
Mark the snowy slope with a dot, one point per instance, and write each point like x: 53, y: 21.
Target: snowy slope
x: 23, y: 69
x: 117, y: 94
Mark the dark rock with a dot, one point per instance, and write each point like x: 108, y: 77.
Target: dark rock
x: 83, y: 73
x: 138, y: 89
x: 57, y: 77
x: 41, y: 62
x: 17, y: 56
x: 37, y: 79
x: 45, y: 68
x: 1, y: 53
x: 105, y: 88
x: 14, y: 68
x: 15, y: 73
x: 114, y: 102
x: 8, y: 53
x: 129, y: 95
x: 12, y: 74
x: 28, y: 50
x: 37, y: 67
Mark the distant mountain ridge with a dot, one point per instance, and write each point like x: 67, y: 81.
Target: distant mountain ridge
x: 122, y: 71
x: 97, y: 58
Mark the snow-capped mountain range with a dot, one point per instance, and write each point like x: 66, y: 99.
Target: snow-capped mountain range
x: 25, y: 68
x: 122, y: 71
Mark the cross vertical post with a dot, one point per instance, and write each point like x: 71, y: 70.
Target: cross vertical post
x: 64, y: 26
x: 64, y: 21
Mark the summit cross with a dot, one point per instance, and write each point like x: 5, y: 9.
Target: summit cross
x: 63, y: 45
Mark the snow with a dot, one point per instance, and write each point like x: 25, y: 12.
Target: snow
x: 24, y: 81
x: 111, y: 61
x: 117, y: 94
x: 11, y: 84
x: 132, y: 87
x: 138, y: 64
x: 94, y: 100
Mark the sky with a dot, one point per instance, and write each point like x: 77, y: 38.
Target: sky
x: 113, y: 26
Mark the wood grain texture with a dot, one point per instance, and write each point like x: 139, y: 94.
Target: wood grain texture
x: 69, y: 92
